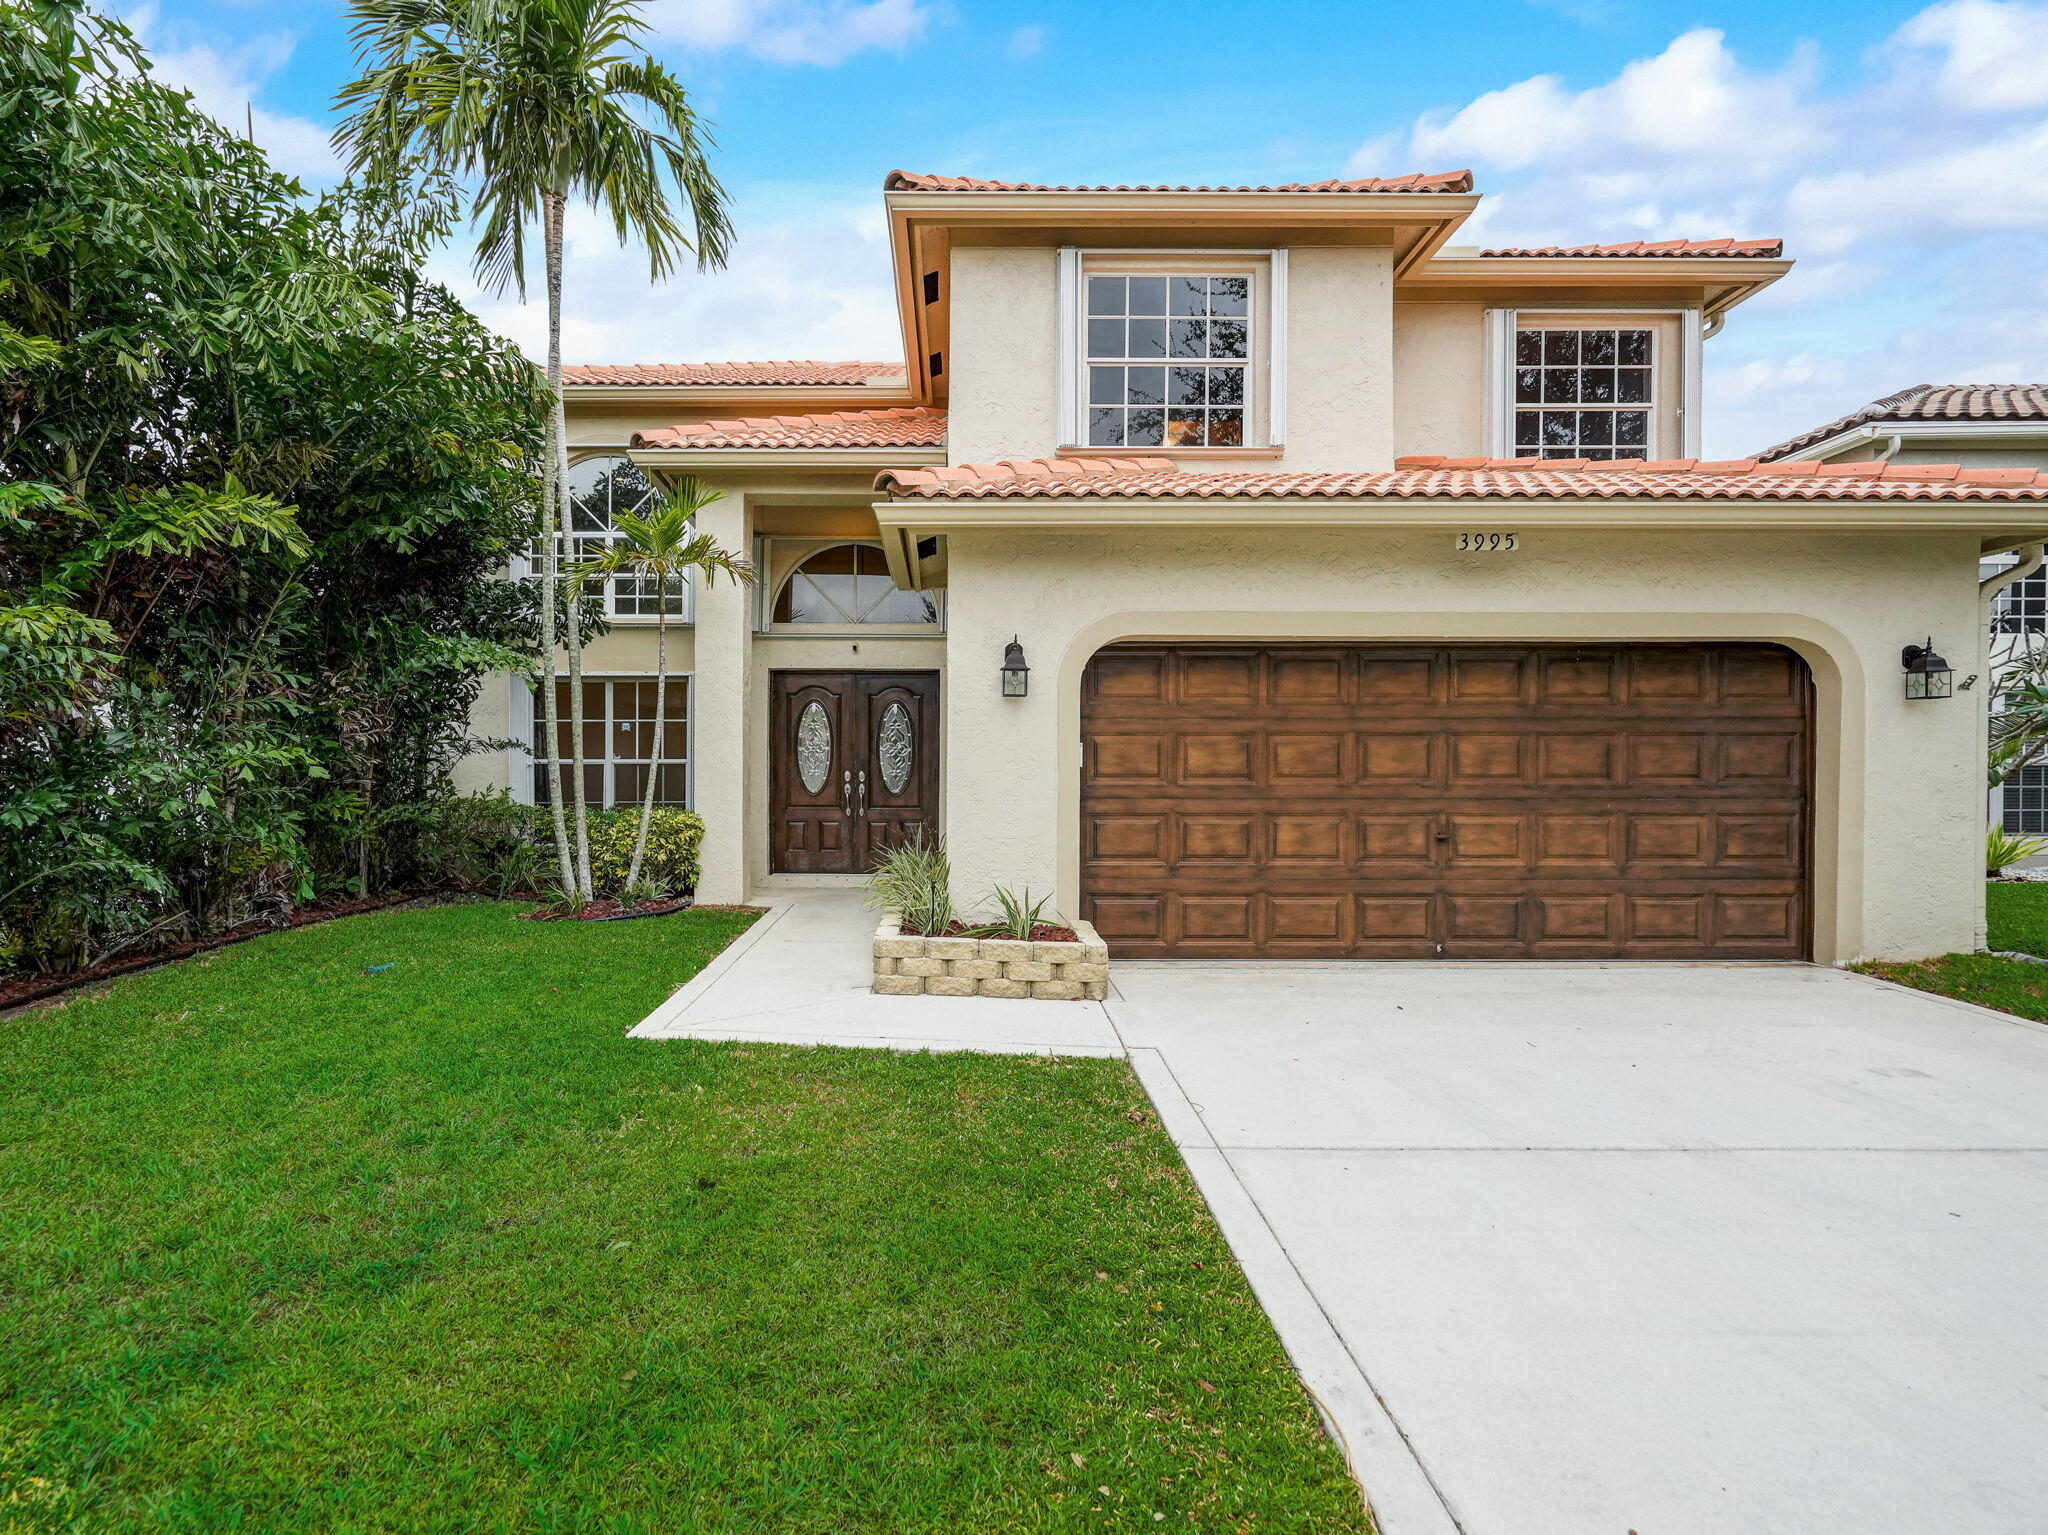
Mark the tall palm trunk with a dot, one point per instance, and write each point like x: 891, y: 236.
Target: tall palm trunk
x: 551, y: 562
x: 572, y: 636
x: 660, y: 724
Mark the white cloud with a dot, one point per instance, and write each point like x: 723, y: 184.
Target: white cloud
x: 226, y: 85
x: 790, y: 31
x: 810, y: 285
x: 1995, y: 52
x: 1914, y: 192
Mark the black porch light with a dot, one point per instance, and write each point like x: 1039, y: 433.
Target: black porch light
x: 1016, y: 675
x: 1927, y: 674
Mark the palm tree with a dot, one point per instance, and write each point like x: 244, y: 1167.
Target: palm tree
x: 533, y: 102
x: 662, y: 549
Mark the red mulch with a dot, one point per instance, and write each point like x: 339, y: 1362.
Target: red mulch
x: 608, y: 910
x: 18, y: 991
x: 1044, y: 932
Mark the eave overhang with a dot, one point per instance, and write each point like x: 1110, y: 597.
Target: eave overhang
x: 816, y: 460
x: 1726, y: 281
x: 1909, y: 431
x: 1998, y: 524
x: 1416, y: 224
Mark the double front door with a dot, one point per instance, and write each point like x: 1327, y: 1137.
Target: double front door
x: 854, y: 766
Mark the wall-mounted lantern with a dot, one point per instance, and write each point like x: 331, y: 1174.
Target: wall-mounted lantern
x: 1927, y: 674
x: 1016, y: 675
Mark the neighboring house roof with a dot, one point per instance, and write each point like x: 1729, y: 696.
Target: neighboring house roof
x: 740, y: 374
x: 1434, y: 478
x: 908, y: 427
x: 1931, y: 402
x: 1722, y: 247
x: 1442, y: 181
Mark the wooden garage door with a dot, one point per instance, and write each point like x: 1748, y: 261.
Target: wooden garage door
x: 1457, y: 802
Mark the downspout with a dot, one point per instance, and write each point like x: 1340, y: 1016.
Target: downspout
x: 2031, y: 558
x: 1891, y: 446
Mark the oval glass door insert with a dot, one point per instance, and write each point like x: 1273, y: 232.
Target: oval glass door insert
x: 896, y: 746
x: 813, y: 747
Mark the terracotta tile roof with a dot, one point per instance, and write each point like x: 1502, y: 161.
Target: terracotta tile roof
x: 910, y: 427
x: 1723, y: 247
x: 1682, y: 479
x: 1443, y: 181
x: 1931, y: 402
x: 745, y: 375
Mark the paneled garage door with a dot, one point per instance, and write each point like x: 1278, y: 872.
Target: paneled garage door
x: 1449, y: 801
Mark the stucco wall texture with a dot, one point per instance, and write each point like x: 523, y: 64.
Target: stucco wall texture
x: 1897, y: 855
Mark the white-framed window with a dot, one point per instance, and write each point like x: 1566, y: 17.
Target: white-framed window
x: 2022, y: 608
x: 839, y: 585
x: 1171, y: 351
x: 2025, y: 801
x: 1593, y: 383
x: 619, y: 740
x: 1585, y: 391
x: 1168, y: 359
x: 599, y: 488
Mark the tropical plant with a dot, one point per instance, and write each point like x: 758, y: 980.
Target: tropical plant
x: 666, y: 848
x: 1021, y: 915
x: 662, y: 549
x: 914, y: 879
x: 532, y: 103
x: 2002, y: 849
x: 259, y: 481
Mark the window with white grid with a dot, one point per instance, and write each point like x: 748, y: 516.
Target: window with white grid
x: 2025, y: 807
x: 2023, y: 606
x: 1167, y: 359
x: 619, y: 745
x: 1584, y: 393
x: 599, y: 488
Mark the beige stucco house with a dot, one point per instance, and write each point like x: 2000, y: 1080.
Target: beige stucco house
x: 1374, y: 601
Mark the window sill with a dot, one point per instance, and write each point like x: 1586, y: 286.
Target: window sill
x: 852, y: 632
x: 1070, y: 451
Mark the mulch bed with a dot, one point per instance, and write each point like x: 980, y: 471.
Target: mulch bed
x: 1043, y: 932
x: 20, y: 990
x: 609, y: 910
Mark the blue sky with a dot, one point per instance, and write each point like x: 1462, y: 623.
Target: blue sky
x: 1900, y: 149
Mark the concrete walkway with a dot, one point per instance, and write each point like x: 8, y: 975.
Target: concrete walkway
x: 1577, y: 1249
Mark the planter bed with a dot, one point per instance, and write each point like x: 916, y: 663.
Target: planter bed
x: 913, y: 965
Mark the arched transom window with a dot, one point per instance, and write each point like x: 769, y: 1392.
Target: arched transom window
x: 849, y: 584
x: 599, y: 489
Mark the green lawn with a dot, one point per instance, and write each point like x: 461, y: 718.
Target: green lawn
x: 285, y: 1246
x: 2016, y: 918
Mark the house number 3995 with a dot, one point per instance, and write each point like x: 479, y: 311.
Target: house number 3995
x: 1485, y: 543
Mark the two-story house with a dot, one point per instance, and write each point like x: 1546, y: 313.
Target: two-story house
x: 1374, y: 601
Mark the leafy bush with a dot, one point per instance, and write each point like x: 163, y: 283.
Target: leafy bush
x: 914, y: 879
x: 670, y: 865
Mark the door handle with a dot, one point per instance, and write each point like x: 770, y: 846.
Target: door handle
x: 846, y: 793
x: 861, y: 804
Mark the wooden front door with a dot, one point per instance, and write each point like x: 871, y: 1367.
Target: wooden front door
x: 854, y: 766
x: 1447, y: 801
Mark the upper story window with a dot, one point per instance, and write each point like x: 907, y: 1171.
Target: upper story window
x: 1170, y: 351
x: 843, y: 585
x: 1585, y: 392
x: 1167, y: 360
x: 599, y: 489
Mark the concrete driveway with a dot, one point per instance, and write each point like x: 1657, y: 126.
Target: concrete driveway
x: 1680, y: 1250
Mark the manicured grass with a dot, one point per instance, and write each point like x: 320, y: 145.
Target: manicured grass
x: 2016, y: 918
x: 285, y: 1246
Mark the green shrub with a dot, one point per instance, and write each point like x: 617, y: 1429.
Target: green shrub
x: 2002, y: 850
x: 670, y: 865
x: 914, y: 879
